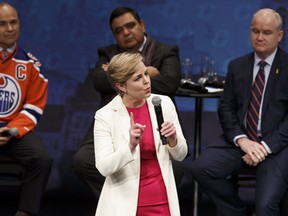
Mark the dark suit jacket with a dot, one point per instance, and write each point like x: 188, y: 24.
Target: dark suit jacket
x: 235, y: 99
x: 165, y: 58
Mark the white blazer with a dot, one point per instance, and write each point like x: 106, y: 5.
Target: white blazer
x: 121, y: 168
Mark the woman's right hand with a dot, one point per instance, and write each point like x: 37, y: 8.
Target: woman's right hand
x: 136, y: 132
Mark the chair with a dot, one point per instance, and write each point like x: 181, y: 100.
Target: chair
x: 246, y: 178
x: 10, y: 171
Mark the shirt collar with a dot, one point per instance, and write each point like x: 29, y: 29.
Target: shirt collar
x: 142, y: 46
x: 10, y: 49
x: 268, y: 60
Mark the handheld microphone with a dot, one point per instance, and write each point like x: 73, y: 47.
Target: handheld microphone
x: 13, y: 132
x: 188, y: 84
x: 156, y: 101
x: 203, y: 81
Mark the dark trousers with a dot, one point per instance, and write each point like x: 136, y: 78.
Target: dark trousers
x: 84, y: 165
x: 37, y: 164
x: 214, y: 165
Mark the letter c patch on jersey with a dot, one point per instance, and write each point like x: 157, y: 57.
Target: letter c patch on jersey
x: 19, y: 72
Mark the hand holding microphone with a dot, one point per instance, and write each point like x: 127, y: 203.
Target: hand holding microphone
x: 9, y: 132
x: 156, y: 101
x: 166, y: 130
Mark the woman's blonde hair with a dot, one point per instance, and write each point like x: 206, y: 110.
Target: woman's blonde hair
x: 122, y: 67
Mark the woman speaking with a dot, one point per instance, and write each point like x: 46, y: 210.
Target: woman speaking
x: 129, y: 151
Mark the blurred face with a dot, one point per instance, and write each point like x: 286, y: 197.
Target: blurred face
x: 265, y: 34
x: 128, y: 32
x: 137, y: 88
x: 9, y: 26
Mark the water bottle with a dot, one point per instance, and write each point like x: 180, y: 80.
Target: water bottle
x: 187, y: 69
x: 204, y: 66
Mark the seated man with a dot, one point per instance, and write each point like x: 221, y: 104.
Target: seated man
x: 253, y: 113
x: 163, y: 66
x: 25, y: 92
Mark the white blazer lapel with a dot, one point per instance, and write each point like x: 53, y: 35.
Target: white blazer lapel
x: 122, y: 119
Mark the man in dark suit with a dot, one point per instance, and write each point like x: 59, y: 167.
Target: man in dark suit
x: 163, y: 65
x: 238, y: 146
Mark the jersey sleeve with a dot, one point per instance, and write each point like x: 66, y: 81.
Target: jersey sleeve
x: 34, y: 103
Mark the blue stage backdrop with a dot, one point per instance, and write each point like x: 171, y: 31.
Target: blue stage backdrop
x: 64, y: 36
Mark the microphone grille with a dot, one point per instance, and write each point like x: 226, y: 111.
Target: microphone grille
x: 14, y: 132
x: 183, y: 81
x: 202, y: 81
x: 156, y: 100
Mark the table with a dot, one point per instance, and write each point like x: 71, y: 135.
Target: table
x: 197, y: 129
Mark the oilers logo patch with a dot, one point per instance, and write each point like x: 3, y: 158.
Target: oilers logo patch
x: 10, y: 95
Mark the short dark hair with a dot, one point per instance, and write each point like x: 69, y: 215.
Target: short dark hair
x: 122, y: 10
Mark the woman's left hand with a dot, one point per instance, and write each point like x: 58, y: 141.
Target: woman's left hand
x: 169, y: 131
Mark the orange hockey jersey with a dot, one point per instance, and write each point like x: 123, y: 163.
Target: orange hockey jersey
x: 23, y: 91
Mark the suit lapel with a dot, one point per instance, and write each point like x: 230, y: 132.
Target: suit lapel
x: 122, y: 117
x: 274, y: 75
x: 247, y: 81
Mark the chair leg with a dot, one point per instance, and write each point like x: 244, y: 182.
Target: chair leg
x: 284, y: 205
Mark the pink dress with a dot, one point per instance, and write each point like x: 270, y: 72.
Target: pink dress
x: 152, y: 197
